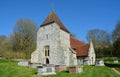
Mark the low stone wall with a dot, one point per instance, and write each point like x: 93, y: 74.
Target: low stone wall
x: 59, y: 68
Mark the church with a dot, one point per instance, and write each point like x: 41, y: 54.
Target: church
x: 56, y: 45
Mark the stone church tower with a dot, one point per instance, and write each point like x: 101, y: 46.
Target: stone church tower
x: 53, y: 43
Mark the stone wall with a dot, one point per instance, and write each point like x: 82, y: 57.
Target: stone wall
x: 49, y: 36
x: 59, y: 43
x: 69, y: 54
x: 91, y: 54
x: 35, y: 56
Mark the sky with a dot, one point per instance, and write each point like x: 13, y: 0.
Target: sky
x: 78, y: 16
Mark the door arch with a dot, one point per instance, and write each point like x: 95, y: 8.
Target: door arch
x: 47, y: 61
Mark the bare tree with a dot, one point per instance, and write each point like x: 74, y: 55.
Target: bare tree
x: 24, y: 37
x: 116, y: 40
x: 116, y: 32
x: 99, y: 37
x: 2, y: 38
x: 101, y: 42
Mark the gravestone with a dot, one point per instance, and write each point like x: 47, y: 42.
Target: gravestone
x: 99, y: 62
x: 23, y: 63
x: 115, y: 61
x: 34, y: 65
x: 80, y: 69
x: 86, y: 62
x: 75, y: 69
x: 59, y: 68
x: 46, y: 70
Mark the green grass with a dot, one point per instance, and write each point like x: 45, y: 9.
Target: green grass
x: 89, y: 71
x: 111, y: 64
x: 10, y: 68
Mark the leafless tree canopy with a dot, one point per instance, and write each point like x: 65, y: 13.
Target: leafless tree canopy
x: 24, y: 36
x: 99, y: 37
x: 116, y: 32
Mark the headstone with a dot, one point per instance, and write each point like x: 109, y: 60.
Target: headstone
x: 59, y: 68
x: 75, y: 69
x: 86, y: 62
x: 99, y: 62
x: 46, y: 70
x: 23, y: 63
x: 34, y: 65
x: 80, y: 69
x: 115, y: 61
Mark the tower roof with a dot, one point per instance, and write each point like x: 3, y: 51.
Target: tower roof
x: 52, y: 17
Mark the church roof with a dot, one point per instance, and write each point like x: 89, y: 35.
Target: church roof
x: 80, y: 47
x: 52, y: 17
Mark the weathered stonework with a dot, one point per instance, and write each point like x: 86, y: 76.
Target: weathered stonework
x: 91, y: 54
x: 59, y: 42
x: 56, y: 46
x: 90, y: 59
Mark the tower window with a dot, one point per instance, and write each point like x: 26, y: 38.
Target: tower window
x: 47, y: 36
x: 46, y: 50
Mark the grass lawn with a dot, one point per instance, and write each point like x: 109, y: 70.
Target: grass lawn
x: 116, y: 66
x: 11, y: 69
x: 111, y: 64
x: 89, y: 71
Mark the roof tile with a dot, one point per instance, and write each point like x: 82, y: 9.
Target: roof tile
x: 52, y: 17
x: 80, y: 47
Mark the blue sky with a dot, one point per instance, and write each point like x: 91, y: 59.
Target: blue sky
x: 79, y: 16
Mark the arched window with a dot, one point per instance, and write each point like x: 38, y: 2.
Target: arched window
x: 47, y: 36
x: 47, y: 50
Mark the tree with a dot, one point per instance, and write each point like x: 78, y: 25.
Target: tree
x: 23, y: 37
x: 116, y: 39
x: 100, y: 39
x: 2, y: 38
x: 116, y: 46
x: 116, y: 32
x: 5, y: 47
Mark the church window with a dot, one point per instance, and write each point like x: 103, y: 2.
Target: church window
x: 47, y: 36
x: 46, y: 50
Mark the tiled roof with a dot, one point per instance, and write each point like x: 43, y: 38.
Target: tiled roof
x: 52, y: 17
x: 80, y: 47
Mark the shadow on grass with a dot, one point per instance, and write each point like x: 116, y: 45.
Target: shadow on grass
x: 66, y: 71
x: 112, y: 65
